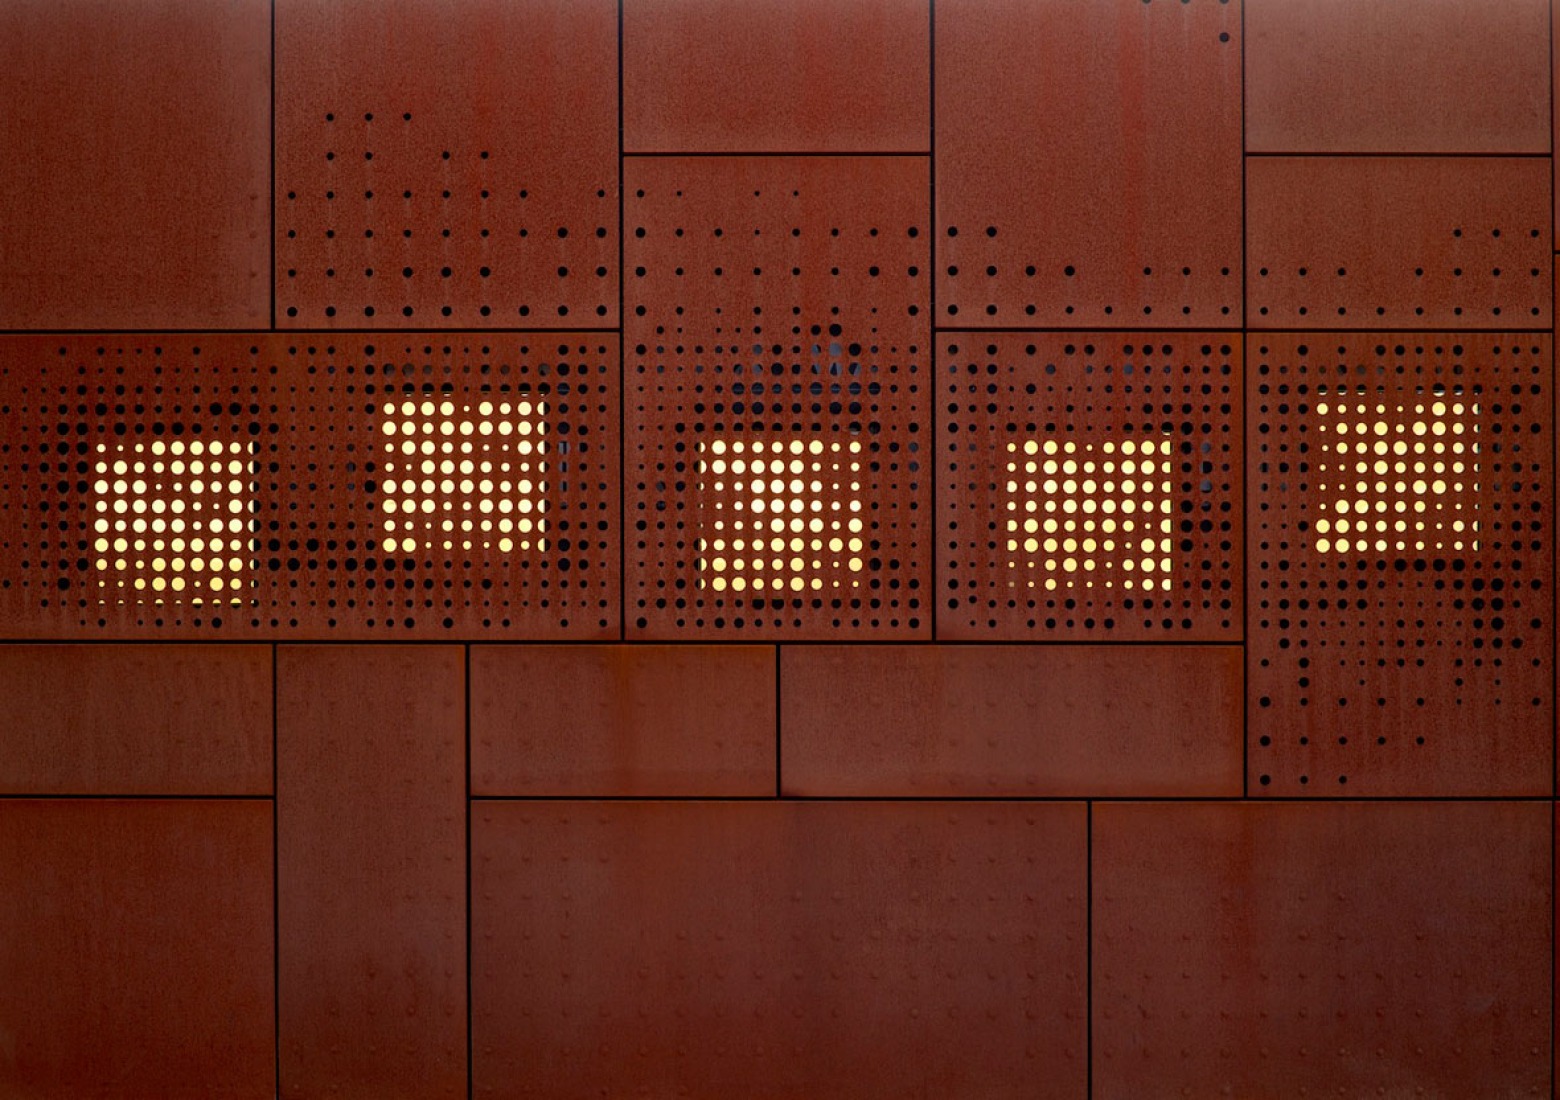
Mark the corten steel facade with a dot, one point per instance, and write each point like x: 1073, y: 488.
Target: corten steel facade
x: 806, y: 548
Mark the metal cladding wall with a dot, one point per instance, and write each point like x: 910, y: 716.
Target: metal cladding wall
x: 814, y: 548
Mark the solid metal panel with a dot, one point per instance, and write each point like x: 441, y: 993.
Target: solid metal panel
x: 1400, y: 632
x: 1088, y: 163
x: 1335, y: 949
x: 409, y: 486
x: 1091, y: 486
x: 1378, y: 76
x: 778, y: 950
x: 775, y: 399
x: 605, y: 721
x: 136, y: 949
x: 135, y: 151
x: 1398, y: 242
x: 1011, y: 721
x: 782, y: 76
x: 371, y: 851
x: 446, y: 165
x: 107, y: 719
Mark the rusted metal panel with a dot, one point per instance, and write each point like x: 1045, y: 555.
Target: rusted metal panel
x: 1321, y: 949
x: 1091, y: 486
x: 136, y: 949
x: 420, y: 485
x: 782, y: 76
x: 1398, y: 242
x: 136, y: 164
x: 778, y: 949
x: 446, y: 165
x: 108, y: 719
x: 1374, y: 76
x: 371, y: 846
x: 613, y: 721
x: 1401, y: 626
x: 775, y: 399
x: 1088, y: 163
x: 1011, y: 721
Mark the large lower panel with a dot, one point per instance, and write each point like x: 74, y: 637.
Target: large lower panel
x: 1322, y: 949
x: 446, y: 164
x: 135, y: 719
x: 1011, y: 721
x: 604, y: 721
x: 778, y: 950
x: 424, y: 485
x: 802, y: 76
x: 1091, y: 486
x: 1400, y: 635
x: 1088, y: 163
x: 136, y: 950
x: 775, y: 397
x: 1398, y: 242
x: 136, y: 164
x: 371, y: 850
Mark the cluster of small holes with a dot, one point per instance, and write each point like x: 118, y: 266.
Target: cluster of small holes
x: 1052, y: 445
x: 383, y: 226
x: 1393, y: 628
x: 779, y: 514
x: 767, y: 307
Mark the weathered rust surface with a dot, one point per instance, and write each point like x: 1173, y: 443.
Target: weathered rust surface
x: 134, y: 719
x: 1011, y: 721
x: 773, y: 949
x: 136, y: 949
x: 134, y: 164
x: 1322, y: 949
x: 1088, y: 163
x: 371, y: 853
x: 605, y: 721
x: 1401, y: 547
x: 446, y: 165
x: 1398, y: 242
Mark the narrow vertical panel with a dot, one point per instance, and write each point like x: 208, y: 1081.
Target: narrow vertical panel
x: 767, y: 949
x: 371, y: 850
x: 1337, y: 949
x: 136, y: 950
x: 112, y: 719
x: 1088, y: 163
x: 135, y: 177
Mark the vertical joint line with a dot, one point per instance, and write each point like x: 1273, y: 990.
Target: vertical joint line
x: 1088, y: 941
x: 471, y: 1043
x: 276, y: 876
x: 272, y: 220
x: 622, y: 494
x: 934, y: 375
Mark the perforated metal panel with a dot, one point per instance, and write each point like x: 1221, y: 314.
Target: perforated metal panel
x: 446, y: 165
x: 1091, y: 486
x: 776, y: 405
x: 1400, y: 633
x: 411, y: 486
x: 1088, y: 163
x: 1405, y: 242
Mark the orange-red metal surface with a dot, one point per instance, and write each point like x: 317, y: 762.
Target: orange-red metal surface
x: 1324, y: 949
x: 604, y: 721
x: 1011, y: 721
x: 778, y: 950
x: 134, y: 164
x: 395, y: 486
x: 446, y: 165
x: 1401, y: 620
x: 1090, y: 486
x: 371, y: 841
x: 1377, y: 76
x: 128, y: 719
x: 1088, y: 163
x: 798, y: 76
x: 1398, y: 242
x: 136, y: 949
x: 776, y: 361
